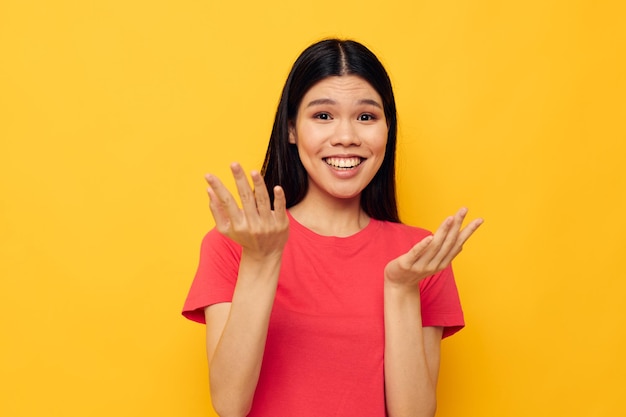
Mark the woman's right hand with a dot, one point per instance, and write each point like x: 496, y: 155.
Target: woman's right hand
x: 260, y: 231
x: 237, y: 330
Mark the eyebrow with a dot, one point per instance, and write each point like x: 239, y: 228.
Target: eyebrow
x: 321, y: 101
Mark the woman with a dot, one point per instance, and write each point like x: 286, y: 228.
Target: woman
x: 317, y: 300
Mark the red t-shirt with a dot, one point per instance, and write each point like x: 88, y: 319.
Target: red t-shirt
x: 325, y: 343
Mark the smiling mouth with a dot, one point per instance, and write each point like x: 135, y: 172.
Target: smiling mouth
x: 344, y: 163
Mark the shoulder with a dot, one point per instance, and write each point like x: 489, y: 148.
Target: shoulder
x: 217, y: 246
x: 219, y: 251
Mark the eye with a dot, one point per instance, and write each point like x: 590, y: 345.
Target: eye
x: 366, y: 117
x: 322, y: 116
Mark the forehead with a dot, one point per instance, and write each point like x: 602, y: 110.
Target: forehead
x: 342, y: 88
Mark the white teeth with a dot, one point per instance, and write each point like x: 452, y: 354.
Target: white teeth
x: 345, y: 163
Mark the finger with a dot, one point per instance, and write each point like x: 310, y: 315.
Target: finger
x: 248, y: 202
x: 222, y: 222
x: 469, y: 230
x: 280, y: 205
x: 224, y: 198
x: 460, y: 216
x: 437, y: 242
x: 450, y: 243
x: 261, y: 195
x: 464, y: 235
x: 418, y: 249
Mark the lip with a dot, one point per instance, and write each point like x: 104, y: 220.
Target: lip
x: 344, y: 156
x: 344, y: 173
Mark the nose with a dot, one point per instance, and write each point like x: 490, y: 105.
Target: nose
x: 345, y: 134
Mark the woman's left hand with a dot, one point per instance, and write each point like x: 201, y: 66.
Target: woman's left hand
x: 433, y: 253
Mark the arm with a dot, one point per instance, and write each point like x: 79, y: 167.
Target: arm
x: 411, y: 356
x: 237, y: 331
x: 412, y: 351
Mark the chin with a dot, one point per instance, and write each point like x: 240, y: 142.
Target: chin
x: 347, y: 195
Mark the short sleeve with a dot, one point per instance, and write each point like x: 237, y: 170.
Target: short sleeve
x: 215, y: 277
x: 441, y: 305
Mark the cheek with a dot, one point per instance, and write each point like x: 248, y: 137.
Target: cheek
x: 378, y: 141
x: 379, y: 149
x: 309, y: 138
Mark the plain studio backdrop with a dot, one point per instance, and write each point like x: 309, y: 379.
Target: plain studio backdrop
x: 111, y: 111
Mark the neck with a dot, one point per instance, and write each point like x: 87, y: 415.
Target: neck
x: 335, y: 217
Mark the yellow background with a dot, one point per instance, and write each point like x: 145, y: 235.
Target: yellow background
x: 112, y: 111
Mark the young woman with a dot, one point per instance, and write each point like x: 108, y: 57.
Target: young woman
x: 317, y: 300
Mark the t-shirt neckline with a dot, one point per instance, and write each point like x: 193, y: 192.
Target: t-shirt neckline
x: 367, y: 233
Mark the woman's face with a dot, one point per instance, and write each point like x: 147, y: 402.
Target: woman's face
x: 341, y: 134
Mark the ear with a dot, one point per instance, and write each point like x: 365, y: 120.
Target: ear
x: 292, y: 133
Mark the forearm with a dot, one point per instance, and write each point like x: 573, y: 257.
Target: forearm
x: 235, y: 365
x: 410, y: 381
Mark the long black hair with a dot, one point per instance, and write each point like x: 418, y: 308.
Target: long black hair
x: 282, y: 165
